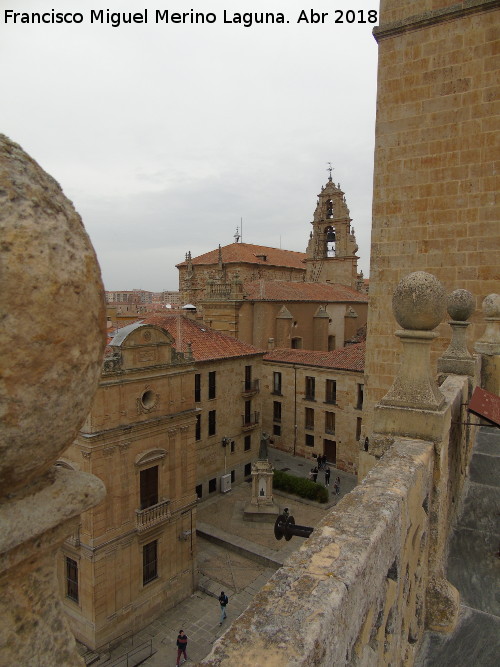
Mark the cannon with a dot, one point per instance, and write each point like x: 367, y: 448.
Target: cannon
x: 286, y: 527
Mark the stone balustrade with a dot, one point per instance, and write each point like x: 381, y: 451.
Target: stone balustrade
x: 151, y: 516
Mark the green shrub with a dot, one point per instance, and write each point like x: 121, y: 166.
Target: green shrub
x: 299, y: 486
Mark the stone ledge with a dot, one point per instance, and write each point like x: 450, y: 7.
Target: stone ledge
x: 431, y: 18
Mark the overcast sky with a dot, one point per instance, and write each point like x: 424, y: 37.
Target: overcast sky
x: 165, y: 135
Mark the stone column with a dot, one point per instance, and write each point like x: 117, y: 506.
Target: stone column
x: 488, y: 346
x: 412, y: 407
x: 457, y: 359
x: 52, y: 342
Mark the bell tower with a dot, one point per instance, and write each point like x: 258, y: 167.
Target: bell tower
x: 331, y: 251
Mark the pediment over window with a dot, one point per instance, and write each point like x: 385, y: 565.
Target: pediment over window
x: 150, y: 456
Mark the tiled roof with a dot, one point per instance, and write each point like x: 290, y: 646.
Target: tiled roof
x: 280, y: 290
x: 249, y: 254
x: 350, y: 358
x: 206, y: 343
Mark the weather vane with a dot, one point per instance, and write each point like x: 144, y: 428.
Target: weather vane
x: 330, y: 169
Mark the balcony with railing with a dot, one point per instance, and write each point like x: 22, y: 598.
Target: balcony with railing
x: 250, y: 388
x: 151, y: 516
x: 250, y: 421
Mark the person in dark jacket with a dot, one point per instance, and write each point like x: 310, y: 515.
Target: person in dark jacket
x: 223, y: 600
x: 182, y: 641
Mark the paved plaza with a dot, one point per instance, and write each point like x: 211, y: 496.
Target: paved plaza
x: 235, y: 556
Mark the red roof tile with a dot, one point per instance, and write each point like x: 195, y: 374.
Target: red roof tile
x: 350, y: 358
x: 249, y: 254
x: 206, y: 343
x: 280, y: 290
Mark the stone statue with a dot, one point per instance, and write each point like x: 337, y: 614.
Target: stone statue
x: 264, y: 443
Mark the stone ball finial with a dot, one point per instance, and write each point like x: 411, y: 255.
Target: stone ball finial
x: 491, y: 306
x: 419, y: 301
x: 53, y: 312
x: 460, y: 305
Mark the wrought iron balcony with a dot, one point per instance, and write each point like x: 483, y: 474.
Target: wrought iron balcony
x: 151, y: 516
x: 250, y: 387
x: 250, y: 421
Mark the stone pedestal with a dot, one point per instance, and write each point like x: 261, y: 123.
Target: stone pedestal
x: 262, y: 506
x: 489, y: 345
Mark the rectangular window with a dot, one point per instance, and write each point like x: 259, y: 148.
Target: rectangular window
x: 72, y: 579
x: 248, y: 412
x: 331, y: 391
x: 212, y: 485
x: 248, y: 469
x: 212, y: 422
x: 248, y: 442
x: 276, y: 429
x: 211, y: 384
x: 199, y: 491
x: 296, y: 343
x: 330, y: 422
x: 149, y: 487
x: 233, y: 446
x: 233, y: 476
x: 197, y: 388
x: 309, y: 440
x: 248, y: 378
x: 310, y: 418
x: 359, y: 403
x: 276, y: 383
x: 358, y: 428
x: 149, y: 562
x: 198, y: 427
x: 310, y: 388
x: 276, y: 411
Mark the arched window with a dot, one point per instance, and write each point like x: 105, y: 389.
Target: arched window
x: 330, y: 241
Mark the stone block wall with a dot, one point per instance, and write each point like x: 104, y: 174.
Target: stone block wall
x: 436, y: 176
x: 293, y: 412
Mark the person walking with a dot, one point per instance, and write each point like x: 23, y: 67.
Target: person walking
x: 223, y: 600
x: 337, y: 486
x: 327, y: 476
x: 314, y: 473
x: 182, y: 641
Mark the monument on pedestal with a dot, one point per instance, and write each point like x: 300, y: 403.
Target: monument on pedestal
x: 262, y: 506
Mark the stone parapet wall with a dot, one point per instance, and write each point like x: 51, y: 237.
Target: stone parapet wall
x: 363, y: 588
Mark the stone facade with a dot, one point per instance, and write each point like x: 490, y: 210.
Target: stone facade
x: 312, y: 403
x: 285, y: 314
x: 435, y: 182
x: 133, y: 555
x: 230, y: 389
x: 236, y: 263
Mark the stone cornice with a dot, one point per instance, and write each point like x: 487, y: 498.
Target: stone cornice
x: 434, y: 17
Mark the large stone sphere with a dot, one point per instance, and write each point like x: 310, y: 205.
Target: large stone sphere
x: 419, y: 301
x: 491, y: 306
x: 460, y: 305
x: 53, y: 319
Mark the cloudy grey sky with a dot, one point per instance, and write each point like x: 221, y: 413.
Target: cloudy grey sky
x: 164, y: 135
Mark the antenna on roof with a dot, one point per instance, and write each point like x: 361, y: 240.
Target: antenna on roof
x: 241, y: 229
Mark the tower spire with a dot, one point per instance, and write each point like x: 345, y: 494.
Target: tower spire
x: 330, y: 169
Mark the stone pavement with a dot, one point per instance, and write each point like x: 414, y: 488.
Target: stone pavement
x: 240, y: 561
